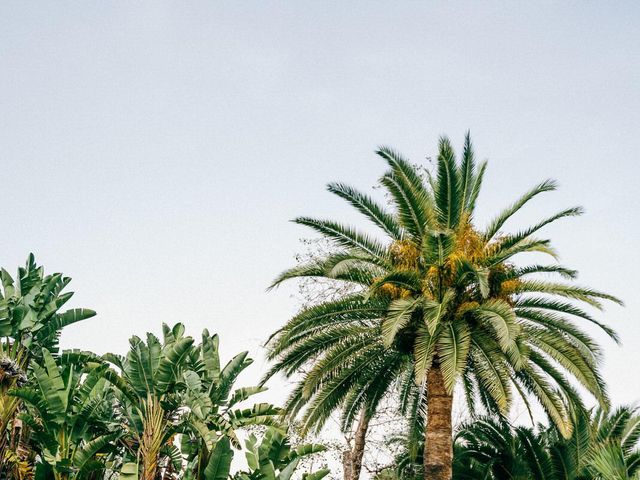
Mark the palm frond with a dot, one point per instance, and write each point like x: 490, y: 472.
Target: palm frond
x: 447, y: 191
x: 496, y: 224
x: 368, y: 207
x: 345, y: 236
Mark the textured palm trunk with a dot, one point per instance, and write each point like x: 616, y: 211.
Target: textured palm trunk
x: 151, y: 440
x: 347, y: 464
x: 359, y: 443
x: 438, y: 445
x: 352, y: 459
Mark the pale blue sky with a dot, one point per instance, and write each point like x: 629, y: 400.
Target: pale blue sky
x: 156, y: 151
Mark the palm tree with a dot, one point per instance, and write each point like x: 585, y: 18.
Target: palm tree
x: 614, y: 452
x: 490, y: 448
x: 455, y: 300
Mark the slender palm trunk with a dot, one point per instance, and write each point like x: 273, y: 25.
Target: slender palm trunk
x: 352, y: 458
x: 347, y: 464
x: 359, y: 443
x: 438, y: 445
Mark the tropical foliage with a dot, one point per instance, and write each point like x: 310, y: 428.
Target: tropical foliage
x: 432, y: 307
x: 168, y: 409
x: 441, y: 302
x: 274, y: 458
x: 30, y: 323
x: 602, y: 447
x: 69, y: 412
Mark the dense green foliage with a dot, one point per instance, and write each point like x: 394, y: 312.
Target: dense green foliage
x: 602, y: 447
x: 440, y: 303
x: 435, y: 307
x: 168, y: 409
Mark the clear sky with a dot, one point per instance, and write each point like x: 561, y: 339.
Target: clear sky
x: 155, y: 151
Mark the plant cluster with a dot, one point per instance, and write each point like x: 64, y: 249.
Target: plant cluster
x: 433, y: 308
x: 168, y: 409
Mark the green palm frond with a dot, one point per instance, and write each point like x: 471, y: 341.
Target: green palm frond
x: 345, y: 236
x: 533, y: 269
x: 477, y: 185
x: 496, y: 224
x: 540, y: 303
x: 345, y: 266
x: 410, y: 196
x: 398, y: 316
x: 453, y: 348
x: 583, y: 294
x: 512, y: 240
x: 466, y: 175
x: 368, y: 207
x: 447, y: 187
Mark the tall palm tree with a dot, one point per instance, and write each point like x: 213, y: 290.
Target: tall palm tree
x: 455, y: 300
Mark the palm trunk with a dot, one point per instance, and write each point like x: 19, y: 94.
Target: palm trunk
x: 438, y: 445
x: 359, y: 443
x: 352, y: 459
x: 347, y: 464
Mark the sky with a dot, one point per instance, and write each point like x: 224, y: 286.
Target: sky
x: 156, y: 151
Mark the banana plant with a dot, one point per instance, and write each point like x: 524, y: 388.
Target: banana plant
x: 69, y: 411
x: 150, y: 385
x: 212, y: 402
x: 30, y: 319
x: 30, y: 315
x: 273, y: 458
